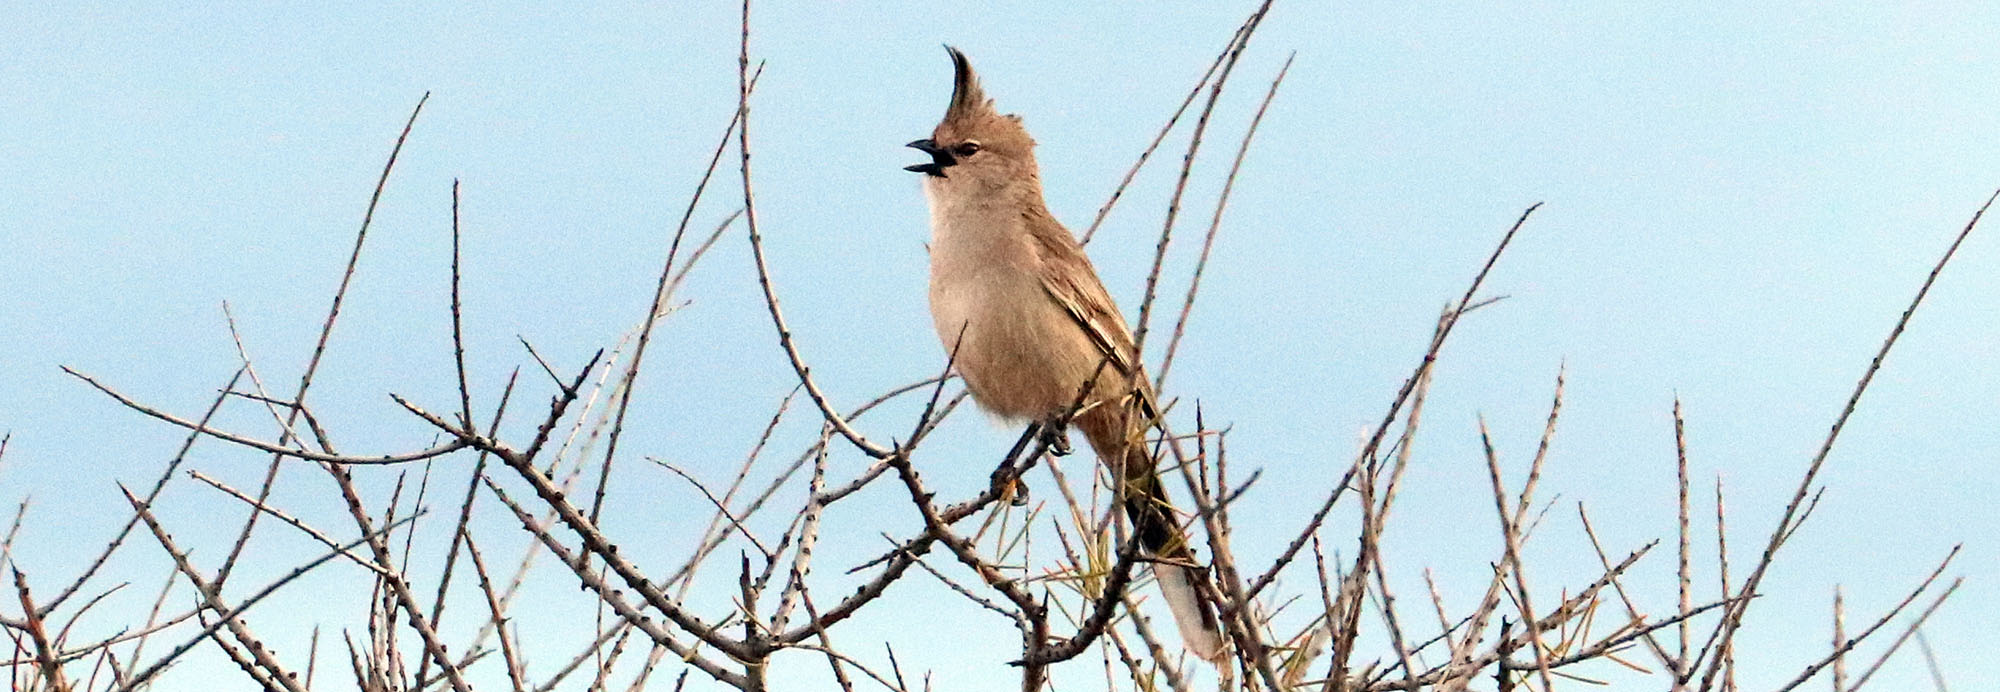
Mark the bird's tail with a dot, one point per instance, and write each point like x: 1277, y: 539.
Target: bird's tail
x: 1119, y: 444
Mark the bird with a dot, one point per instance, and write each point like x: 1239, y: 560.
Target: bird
x: 1027, y: 322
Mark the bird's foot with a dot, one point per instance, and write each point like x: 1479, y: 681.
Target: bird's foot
x: 1017, y: 494
x: 1057, y: 440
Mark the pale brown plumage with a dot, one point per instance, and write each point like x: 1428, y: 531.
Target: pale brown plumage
x: 1016, y: 300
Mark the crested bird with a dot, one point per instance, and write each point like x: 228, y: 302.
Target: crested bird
x: 1031, y: 328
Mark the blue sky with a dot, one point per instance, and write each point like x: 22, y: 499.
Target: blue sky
x: 1740, y: 202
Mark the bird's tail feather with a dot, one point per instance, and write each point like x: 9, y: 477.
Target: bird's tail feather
x: 1155, y: 526
x: 1196, y: 621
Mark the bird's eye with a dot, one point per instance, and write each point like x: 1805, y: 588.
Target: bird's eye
x: 968, y: 148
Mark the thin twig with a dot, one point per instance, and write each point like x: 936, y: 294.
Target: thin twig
x: 325, y: 334
x: 1187, y: 166
x: 661, y: 293
x: 1849, y: 645
x: 1733, y: 619
x: 1215, y: 224
x: 1381, y: 431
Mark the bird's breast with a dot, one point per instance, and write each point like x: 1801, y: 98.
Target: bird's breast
x: 984, y: 282
x: 1019, y: 353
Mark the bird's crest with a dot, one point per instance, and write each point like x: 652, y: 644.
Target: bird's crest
x: 968, y: 101
x: 972, y: 115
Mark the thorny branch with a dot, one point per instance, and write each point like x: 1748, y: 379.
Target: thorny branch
x: 734, y: 641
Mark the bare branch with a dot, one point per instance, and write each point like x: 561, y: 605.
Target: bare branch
x: 1733, y: 620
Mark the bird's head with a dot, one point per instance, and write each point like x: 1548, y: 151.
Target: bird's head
x: 975, y: 144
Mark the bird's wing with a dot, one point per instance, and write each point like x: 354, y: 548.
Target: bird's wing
x: 1071, y: 282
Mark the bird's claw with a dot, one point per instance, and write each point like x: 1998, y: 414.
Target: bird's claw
x: 1056, y: 440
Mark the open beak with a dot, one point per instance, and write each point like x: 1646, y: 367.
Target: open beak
x: 940, y: 158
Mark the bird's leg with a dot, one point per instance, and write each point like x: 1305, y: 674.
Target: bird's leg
x: 1054, y: 438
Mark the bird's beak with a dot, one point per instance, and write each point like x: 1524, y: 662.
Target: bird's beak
x: 940, y: 158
